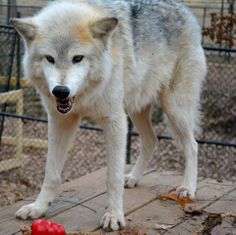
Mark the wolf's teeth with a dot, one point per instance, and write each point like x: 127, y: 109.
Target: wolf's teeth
x: 65, y: 107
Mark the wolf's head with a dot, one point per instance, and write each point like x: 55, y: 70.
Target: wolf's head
x: 66, y: 50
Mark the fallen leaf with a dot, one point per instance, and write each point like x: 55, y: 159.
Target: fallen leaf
x: 219, y: 224
x: 218, y: 230
x: 193, y: 209
x: 229, y: 214
x: 133, y: 231
x: 173, y: 196
x: 164, y: 226
x: 210, y: 222
x: 26, y: 231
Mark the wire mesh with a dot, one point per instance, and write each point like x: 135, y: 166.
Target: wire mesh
x: 219, y: 96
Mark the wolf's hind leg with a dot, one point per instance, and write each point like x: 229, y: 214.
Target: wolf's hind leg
x: 181, y: 119
x: 61, y: 130
x: 180, y: 102
x: 143, y: 123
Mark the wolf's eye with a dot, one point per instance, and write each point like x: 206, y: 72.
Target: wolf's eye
x: 50, y: 59
x: 76, y: 59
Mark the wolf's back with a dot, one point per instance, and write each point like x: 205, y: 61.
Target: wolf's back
x: 163, y: 20
x: 151, y: 21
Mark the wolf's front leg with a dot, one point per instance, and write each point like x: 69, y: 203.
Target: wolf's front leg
x: 115, y: 136
x: 61, y: 130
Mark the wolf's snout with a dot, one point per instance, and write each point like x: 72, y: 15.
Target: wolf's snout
x: 61, y: 92
x: 64, y: 103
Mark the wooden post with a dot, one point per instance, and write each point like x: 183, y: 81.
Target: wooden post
x: 19, y: 127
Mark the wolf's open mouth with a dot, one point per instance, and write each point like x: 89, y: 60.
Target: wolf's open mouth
x: 64, y: 106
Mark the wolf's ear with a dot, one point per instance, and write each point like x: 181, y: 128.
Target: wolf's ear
x: 103, y: 27
x: 25, y: 28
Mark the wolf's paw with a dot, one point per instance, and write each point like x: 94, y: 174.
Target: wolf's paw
x: 113, y: 221
x: 131, y: 181
x: 185, y: 191
x: 31, y: 211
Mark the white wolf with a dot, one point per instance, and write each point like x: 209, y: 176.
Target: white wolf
x: 106, y: 59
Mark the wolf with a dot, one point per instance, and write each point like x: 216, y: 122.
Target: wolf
x: 109, y: 59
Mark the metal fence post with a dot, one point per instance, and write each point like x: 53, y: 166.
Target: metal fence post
x: 204, y: 23
x: 18, y: 58
x: 11, y: 9
x: 129, y: 142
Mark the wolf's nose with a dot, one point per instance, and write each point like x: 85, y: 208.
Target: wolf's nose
x: 61, y: 92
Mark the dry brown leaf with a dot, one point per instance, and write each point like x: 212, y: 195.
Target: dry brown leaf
x: 210, y: 222
x: 218, y: 230
x: 193, y: 209
x: 164, y: 226
x: 173, y: 196
x: 229, y: 214
x: 219, y: 224
x: 26, y: 231
x: 133, y: 231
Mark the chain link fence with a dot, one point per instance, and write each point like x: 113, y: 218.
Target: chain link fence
x: 23, y: 127
x: 219, y: 96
